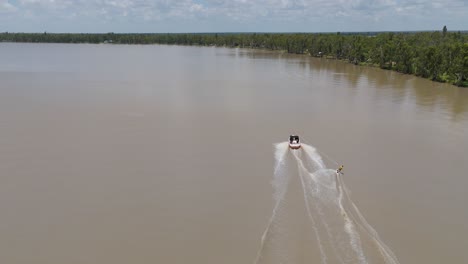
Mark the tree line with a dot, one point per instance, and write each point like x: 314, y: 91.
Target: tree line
x: 440, y: 55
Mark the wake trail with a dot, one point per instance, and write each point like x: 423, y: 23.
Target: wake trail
x: 349, y: 227
x: 319, y: 210
x: 323, y: 256
x: 279, y: 185
x: 384, y: 250
x: 340, y: 231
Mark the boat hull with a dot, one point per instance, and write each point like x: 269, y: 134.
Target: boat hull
x: 294, y: 146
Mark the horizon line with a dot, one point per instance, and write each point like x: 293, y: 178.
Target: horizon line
x: 241, y: 32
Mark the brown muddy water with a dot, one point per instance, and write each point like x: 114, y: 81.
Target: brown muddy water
x: 164, y: 154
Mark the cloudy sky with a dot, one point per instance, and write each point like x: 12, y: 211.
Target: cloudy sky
x: 231, y: 15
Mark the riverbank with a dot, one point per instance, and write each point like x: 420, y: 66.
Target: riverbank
x: 438, y: 56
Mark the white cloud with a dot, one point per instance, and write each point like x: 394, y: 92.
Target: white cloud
x: 328, y: 12
x: 6, y: 7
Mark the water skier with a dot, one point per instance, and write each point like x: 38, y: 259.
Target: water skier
x: 338, y: 171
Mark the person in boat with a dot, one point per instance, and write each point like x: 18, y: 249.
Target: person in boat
x: 340, y: 169
x: 293, y: 139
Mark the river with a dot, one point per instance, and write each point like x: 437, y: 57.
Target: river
x: 164, y: 154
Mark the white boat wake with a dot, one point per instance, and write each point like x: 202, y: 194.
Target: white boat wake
x: 314, y: 219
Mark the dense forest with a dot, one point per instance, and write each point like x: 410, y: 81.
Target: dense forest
x: 440, y: 56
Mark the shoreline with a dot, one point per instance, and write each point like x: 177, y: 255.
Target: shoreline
x: 458, y: 79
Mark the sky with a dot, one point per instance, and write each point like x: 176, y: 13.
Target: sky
x: 161, y: 16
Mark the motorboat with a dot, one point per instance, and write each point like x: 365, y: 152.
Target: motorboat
x: 294, y: 142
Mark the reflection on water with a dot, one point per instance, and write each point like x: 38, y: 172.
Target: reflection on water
x: 431, y: 96
x: 119, y: 154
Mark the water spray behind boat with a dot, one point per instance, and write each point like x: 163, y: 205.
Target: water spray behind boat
x: 335, y: 230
